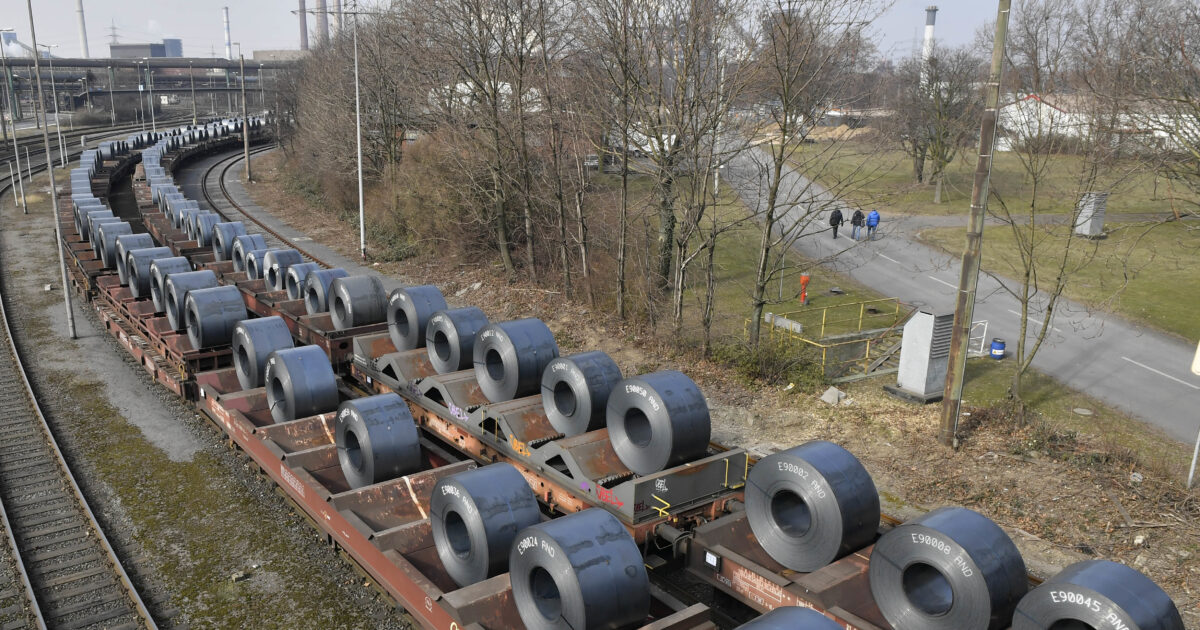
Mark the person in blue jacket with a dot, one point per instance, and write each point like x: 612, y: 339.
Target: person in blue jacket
x: 872, y: 223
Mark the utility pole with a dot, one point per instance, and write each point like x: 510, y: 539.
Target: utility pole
x: 112, y: 102
x: 9, y: 97
x: 968, y: 281
x: 62, y: 150
x: 192, y: 76
x: 245, y: 116
x: 150, y: 81
x: 362, y: 226
x: 58, y: 242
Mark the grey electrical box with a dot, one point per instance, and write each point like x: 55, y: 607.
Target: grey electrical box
x: 924, y: 356
x: 1090, y: 219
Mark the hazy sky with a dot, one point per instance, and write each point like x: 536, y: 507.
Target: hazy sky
x: 269, y: 24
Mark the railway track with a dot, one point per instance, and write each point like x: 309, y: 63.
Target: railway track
x: 226, y: 204
x: 57, y: 567
x: 60, y: 569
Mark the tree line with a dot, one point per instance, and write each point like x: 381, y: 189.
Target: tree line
x: 578, y: 143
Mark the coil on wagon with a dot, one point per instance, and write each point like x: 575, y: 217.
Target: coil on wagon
x: 125, y: 244
x: 357, y: 301
x: 223, y: 235
x: 377, y: 439
x: 408, y: 313
x: 575, y: 391
x: 160, y: 269
x: 275, y: 266
x: 107, y: 243
x: 792, y: 618
x: 212, y: 315
x: 1097, y: 594
x: 255, y: 264
x: 253, y: 341
x: 949, y: 569
x: 658, y: 420
x: 316, y: 289
x: 450, y: 338
x: 244, y: 244
x: 293, y: 281
x: 582, y: 570
x: 510, y: 358
x: 476, y: 515
x: 300, y: 382
x: 205, y: 228
x: 88, y: 227
x: 137, y: 266
x: 176, y: 288
x: 811, y: 504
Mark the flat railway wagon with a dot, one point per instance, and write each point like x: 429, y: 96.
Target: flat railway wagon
x: 484, y: 481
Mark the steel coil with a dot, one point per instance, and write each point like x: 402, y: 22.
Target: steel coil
x: 212, y: 315
x: 581, y: 570
x: 316, y: 289
x: 476, y: 515
x: 253, y: 341
x: 658, y: 420
x: 450, y: 338
x: 811, y: 504
x: 377, y: 439
x: 792, y: 618
x: 137, y: 266
x: 175, y: 290
x: 357, y: 301
x: 242, y: 245
x: 949, y: 569
x: 408, y: 313
x: 275, y: 266
x: 300, y: 383
x: 293, y: 281
x: 160, y: 269
x: 510, y: 358
x: 575, y: 391
x: 126, y: 243
x: 1097, y: 594
x: 223, y: 235
x: 108, y: 241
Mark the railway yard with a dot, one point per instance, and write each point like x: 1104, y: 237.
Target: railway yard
x: 235, y: 387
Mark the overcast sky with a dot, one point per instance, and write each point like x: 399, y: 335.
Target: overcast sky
x: 269, y: 24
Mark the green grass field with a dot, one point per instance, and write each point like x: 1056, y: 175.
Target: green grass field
x: 875, y: 175
x: 1148, y: 274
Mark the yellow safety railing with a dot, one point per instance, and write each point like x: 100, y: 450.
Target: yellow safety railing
x: 837, y: 320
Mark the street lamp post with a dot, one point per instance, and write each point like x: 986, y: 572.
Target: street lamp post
x: 245, y: 115
x: 262, y: 89
x: 150, y: 82
x: 62, y: 261
x: 112, y: 102
x: 62, y: 150
x: 193, y: 78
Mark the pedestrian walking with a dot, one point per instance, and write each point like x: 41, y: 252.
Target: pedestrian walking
x: 856, y: 224
x: 872, y: 224
x: 836, y: 220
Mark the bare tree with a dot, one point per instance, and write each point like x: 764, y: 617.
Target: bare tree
x: 936, y: 106
x: 806, y: 50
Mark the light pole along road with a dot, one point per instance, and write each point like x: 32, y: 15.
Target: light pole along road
x: 1131, y: 368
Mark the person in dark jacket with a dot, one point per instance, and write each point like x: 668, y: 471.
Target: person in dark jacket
x: 836, y: 220
x: 856, y: 223
x: 872, y: 223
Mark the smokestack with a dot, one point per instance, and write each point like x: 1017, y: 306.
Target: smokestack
x: 303, y: 12
x: 228, y: 40
x: 335, y: 26
x: 930, y: 18
x: 322, y: 23
x: 82, y: 28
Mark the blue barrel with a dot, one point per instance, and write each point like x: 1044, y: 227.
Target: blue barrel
x: 997, y: 348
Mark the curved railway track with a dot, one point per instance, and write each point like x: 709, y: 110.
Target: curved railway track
x: 222, y: 167
x: 57, y: 567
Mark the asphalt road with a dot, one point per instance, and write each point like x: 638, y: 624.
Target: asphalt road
x: 1131, y: 368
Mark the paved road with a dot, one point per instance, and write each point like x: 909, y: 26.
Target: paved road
x: 1136, y: 370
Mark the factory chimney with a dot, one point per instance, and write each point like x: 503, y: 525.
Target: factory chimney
x: 930, y: 18
x: 228, y: 40
x: 82, y: 29
x: 303, y: 12
x: 322, y: 23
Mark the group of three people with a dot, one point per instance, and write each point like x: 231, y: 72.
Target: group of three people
x: 856, y: 221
